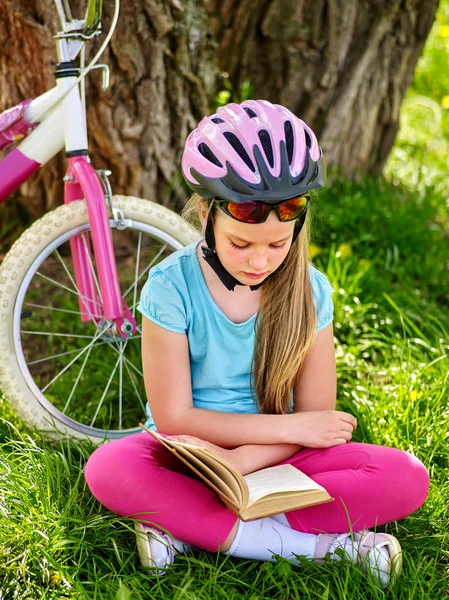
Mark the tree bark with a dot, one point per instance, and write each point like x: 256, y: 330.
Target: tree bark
x: 341, y: 65
x: 164, y: 75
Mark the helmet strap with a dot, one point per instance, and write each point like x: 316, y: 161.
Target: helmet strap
x: 211, y: 257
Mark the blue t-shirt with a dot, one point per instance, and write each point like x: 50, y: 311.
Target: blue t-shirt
x: 176, y: 297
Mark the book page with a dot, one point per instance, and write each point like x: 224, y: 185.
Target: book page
x: 218, y: 471
x: 273, y: 480
x: 220, y: 479
x: 284, y: 502
x: 221, y: 476
x: 224, y: 468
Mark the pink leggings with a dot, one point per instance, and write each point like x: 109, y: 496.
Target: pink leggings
x: 372, y: 485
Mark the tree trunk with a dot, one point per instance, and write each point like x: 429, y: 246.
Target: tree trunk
x: 341, y: 65
x: 163, y: 76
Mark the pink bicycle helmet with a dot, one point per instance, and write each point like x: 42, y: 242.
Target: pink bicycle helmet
x: 254, y: 150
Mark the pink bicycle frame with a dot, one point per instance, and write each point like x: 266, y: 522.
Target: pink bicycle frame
x: 82, y: 182
x: 63, y: 124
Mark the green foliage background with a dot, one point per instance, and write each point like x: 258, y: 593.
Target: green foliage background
x: 420, y: 155
x: 384, y: 245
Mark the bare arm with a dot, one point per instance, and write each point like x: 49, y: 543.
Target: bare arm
x: 248, y: 458
x: 166, y: 367
x: 316, y: 383
x: 311, y: 393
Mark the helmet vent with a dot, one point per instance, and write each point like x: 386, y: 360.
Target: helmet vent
x: 207, y: 153
x: 264, y: 137
x: 308, y: 139
x: 288, y: 130
x: 250, y: 112
x: 238, y: 147
x: 217, y: 120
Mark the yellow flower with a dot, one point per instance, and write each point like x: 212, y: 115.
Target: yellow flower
x: 414, y: 395
x: 364, y: 263
x: 55, y: 578
x: 314, y: 251
x: 445, y: 102
x: 444, y: 30
x: 223, y: 97
x: 344, y: 250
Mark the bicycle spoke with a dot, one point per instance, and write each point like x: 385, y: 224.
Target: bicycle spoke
x: 124, y: 361
x: 64, y: 310
x: 120, y: 394
x: 71, y: 335
x: 136, y: 273
x: 75, y: 356
x: 72, y: 280
x: 99, y: 333
x: 120, y: 407
x: 105, y: 392
x: 89, y: 258
x: 133, y: 366
x: 134, y: 306
x: 134, y: 386
x: 127, y: 359
x: 76, y: 381
x: 64, y: 287
x: 65, y: 267
x: 147, y: 268
x: 53, y: 356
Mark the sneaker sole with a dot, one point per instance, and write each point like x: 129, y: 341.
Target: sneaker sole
x: 143, y: 546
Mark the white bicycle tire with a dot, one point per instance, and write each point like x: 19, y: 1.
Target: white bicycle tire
x: 28, y: 249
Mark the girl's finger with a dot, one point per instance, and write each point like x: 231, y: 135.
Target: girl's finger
x: 340, y: 441
x: 186, y: 439
x: 347, y: 418
x: 346, y: 427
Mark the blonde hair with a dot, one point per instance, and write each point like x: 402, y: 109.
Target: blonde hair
x: 285, y: 323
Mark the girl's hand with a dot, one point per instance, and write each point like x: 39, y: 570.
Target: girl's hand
x: 321, y: 428
x: 193, y: 441
x: 230, y: 456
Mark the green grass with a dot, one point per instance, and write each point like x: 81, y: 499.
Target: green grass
x: 54, y: 338
x: 384, y: 245
x: 388, y: 267
x: 421, y: 151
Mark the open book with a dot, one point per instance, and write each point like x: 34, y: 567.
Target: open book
x: 260, y: 494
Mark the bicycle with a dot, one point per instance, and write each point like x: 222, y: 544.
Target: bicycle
x: 70, y: 361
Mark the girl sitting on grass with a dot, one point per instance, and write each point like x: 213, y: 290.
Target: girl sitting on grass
x: 238, y: 356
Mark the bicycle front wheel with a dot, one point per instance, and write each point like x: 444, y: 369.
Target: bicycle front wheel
x: 60, y: 374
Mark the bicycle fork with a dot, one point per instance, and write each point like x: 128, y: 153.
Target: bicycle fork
x: 97, y: 299
x: 64, y: 123
x: 100, y: 299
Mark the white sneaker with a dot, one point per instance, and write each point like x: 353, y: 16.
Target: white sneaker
x: 157, y: 550
x: 378, y: 553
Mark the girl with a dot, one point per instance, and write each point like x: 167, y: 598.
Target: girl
x: 238, y: 355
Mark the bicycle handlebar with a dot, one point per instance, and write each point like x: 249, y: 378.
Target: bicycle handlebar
x: 93, y: 16
x: 85, y: 28
x: 63, y: 11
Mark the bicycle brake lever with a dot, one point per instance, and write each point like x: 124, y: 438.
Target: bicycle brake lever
x: 105, y: 75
